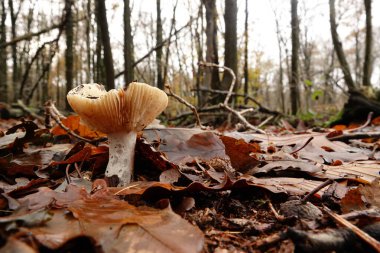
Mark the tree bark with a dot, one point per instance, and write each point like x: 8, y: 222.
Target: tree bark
x: 128, y: 45
x: 160, y: 83
x: 339, y: 49
x: 69, y: 58
x: 294, y: 77
x: 211, y: 76
x: 102, y: 23
x: 246, y: 75
x: 3, y: 55
x: 15, y: 71
x: 230, y: 40
x: 367, y: 66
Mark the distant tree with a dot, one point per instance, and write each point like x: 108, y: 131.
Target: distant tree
x: 211, y: 76
x: 246, y: 76
x: 69, y: 52
x: 159, y: 80
x: 3, y: 55
x: 230, y: 42
x: 367, y: 65
x: 15, y: 68
x: 128, y: 45
x: 339, y: 49
x: 294, y: 77
x: 101, y: 18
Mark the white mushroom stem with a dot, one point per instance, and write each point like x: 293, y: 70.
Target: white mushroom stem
x: 121, y: 156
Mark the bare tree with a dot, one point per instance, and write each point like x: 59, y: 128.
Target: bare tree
x: 339, y: 49
x: 230, y: 40
x: 160, y: 83
x: 128, y: 45
x: 294, y: 77
x: 211, y: 77
x: 69, y: 58
x: 246, y: 75
x: 102, y: 22
x: 367, y: 65
x: 15, y: 69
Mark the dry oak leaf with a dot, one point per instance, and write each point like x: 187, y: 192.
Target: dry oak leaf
x: 114, y: 224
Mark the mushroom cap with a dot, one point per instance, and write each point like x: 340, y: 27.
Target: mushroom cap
x: 117, y: 110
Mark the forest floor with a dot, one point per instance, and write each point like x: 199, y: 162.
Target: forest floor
x: 288, y: 190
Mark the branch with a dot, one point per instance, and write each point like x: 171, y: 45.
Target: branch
x: 49, y: 106
x: 224, y: 105
x: 156, y: 47
x: 192, y: 107
x: 31, y: 35
x: 233, y: 82
x: 261, y: 108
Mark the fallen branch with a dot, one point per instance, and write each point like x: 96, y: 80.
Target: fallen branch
x: 25, y: 109
x: 56, y: 118
x: 225, y: 105
x: 192, y: 107
x: 261, y: 108
x: 360, y: 233
x: 353, y: 136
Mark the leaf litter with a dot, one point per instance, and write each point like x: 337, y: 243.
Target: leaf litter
x: 194, y: 190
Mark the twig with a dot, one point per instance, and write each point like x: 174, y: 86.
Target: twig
x: 261, y: 108
x: 275, y: 213
x: 51, y: 106
x: 67, y: 174
x: 303, y: 146
x: 224, y: 105
x: 24, y: 108
x: 233, y: 82
x: 351, y: 136
x: 265, y: 121
x: 192, y: 107
x: 360, y: 233
x: 70, y: 132
x: 316, y: 189
x: 369, y: 118
x: 242, y: 119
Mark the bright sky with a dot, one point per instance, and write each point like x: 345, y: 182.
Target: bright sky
x: 261, y: 19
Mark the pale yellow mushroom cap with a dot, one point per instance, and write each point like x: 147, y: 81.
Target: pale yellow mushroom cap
x: 117, y: 110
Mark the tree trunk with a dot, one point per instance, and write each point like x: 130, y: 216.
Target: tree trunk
x: 89, y: 78
x: 128, y: 45
x: 246, y: 76
x: 69, y: 59
x: 211, y: 75
x: 367, y: 66
x: 339, y: 49
x: 160, y: 83
x: 3, y: 55
x: 15, y: 71
x: 294, y: 76
x: 102, y: 23
x: 230, y: 40
x: 167, y: 53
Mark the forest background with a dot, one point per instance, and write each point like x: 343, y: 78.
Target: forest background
x: 292, y: 57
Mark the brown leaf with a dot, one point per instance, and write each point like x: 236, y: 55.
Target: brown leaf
x: 114, y: 224
x: 362, y: 197
x: 242, y: 154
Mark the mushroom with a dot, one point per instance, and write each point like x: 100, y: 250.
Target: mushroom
x: 120, y: 114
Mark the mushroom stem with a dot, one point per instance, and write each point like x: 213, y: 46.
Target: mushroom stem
x: 121, y: 156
